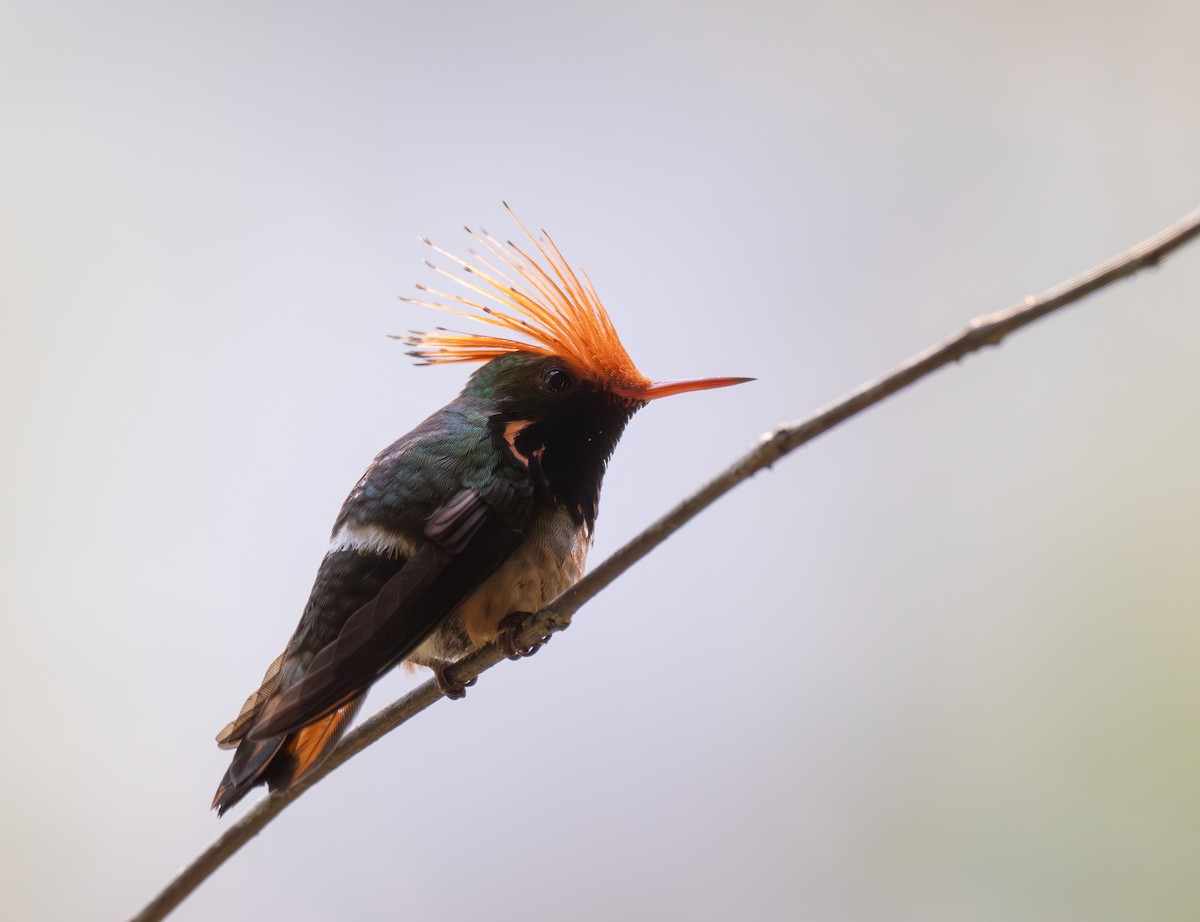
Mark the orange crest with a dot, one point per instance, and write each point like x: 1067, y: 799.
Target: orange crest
x: 556, y: 308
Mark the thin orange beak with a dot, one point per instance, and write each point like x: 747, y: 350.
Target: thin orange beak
x: 668, y: 388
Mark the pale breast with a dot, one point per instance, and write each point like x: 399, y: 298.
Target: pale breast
x: 550, y: 560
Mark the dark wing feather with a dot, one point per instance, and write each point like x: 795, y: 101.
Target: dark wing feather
x: 346, y: 580
x: 467, y: 539
x: 280, y: 760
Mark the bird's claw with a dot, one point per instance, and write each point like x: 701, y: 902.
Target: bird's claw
x: 510, y: 627
x: 448, y: 681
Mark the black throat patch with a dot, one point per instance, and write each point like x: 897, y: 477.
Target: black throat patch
x: 565, y: 446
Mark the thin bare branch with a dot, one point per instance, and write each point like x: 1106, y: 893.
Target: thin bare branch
x: 988, y: 330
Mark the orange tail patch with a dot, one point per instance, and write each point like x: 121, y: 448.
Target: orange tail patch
x: 280, y: 761
x: 307, y: 746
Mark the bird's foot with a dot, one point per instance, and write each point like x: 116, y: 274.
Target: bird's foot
x: 449, y: 682
x: 510, y: 627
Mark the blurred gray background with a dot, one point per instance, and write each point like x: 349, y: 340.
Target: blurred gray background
x: 943, y: 663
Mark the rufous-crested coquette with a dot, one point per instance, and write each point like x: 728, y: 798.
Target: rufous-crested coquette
x: 483, y: 512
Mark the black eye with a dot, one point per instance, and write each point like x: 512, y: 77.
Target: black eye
x: 557, y: 380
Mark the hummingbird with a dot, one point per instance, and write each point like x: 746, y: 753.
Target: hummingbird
x: 482, y: 513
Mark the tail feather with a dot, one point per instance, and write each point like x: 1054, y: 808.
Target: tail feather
x: 231, y: 734
x: 248, y: 768
x: 279, y: 761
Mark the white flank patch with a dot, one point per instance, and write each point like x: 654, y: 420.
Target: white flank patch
x: 355, y: 537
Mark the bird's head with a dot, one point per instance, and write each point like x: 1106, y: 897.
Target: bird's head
x: 560, y: 397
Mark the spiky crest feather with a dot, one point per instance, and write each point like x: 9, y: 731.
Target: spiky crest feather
x: 555, y: 307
